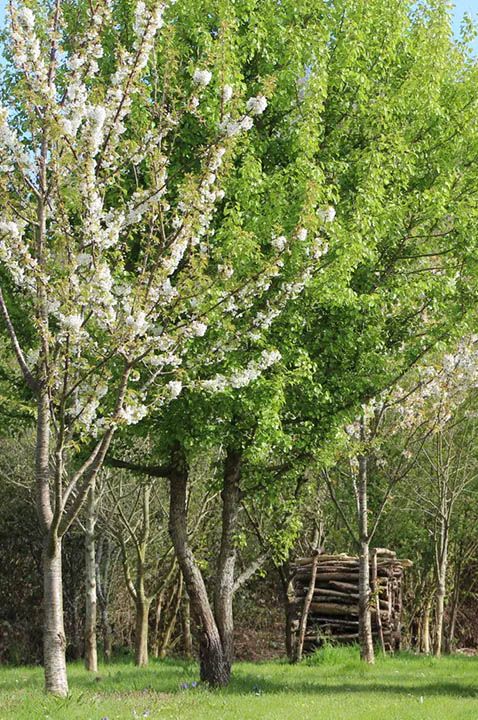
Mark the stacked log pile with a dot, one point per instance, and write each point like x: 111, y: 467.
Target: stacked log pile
x: 326, y: 591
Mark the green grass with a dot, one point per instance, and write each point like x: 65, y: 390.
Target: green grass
x: 333, y: 685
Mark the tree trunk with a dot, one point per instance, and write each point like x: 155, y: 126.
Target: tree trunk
x: 425, y: 628
x: 440, y: 611
x: 224, y: 590
x: 450, y: 636
x: 171, y: 624
x: 214, y: 668
x: 290, y: 610
x: 441, y: 571
x: 103, y: 579
x: 376, y: 593
x: 186, y: 626
x: 91, y: 656
x: 158, y: 612
x: 365, y: 618
x: 141, y: 632
x: 305, y: 610
x: 107, y: 634
x: 54, y: 641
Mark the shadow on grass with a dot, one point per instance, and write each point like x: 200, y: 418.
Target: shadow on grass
x: 248, y: 683
x: 167, y: 677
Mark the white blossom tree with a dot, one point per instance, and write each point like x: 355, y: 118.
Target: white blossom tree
x: 108, y: 251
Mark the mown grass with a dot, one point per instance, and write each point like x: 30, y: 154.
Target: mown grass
x: 333, y: 685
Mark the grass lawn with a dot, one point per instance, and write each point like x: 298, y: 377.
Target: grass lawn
x: 331, y: 686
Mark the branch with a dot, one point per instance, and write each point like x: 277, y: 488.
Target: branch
x: 29, y: 379
x: 161, y: 471
x: 339, y: 507
x: 249, y: 571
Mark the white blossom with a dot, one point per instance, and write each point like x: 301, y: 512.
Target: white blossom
x: 198, y: 328
x: 202, y: 77
x: 175, y: 387
x: 256, y: 105
x: 227, y: 93
x: 279, y: 243
x: 327, y: 214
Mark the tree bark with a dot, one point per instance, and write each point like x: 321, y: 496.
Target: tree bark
x: 224, y: 590
x: 103, y: 569
x: 290, y: 610
x: 214, y: 667
x: 141, y: 632
x: 54, y: 641
x: 440, y: 612
x: 441, y: 572
x: 171, y: 624
x: 425, y: 628
x: 305, y: 610
x: 107, y: 634
x: 186, y: 626
x: 365, y: 618
x: 376, y: 592
x: 450, y: 636
x: 91, y: 655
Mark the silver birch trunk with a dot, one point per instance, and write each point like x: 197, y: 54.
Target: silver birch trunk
x: 365, y: 617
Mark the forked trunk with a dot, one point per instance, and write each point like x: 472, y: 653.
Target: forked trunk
x: 54, y: 641
x: 215, y: 669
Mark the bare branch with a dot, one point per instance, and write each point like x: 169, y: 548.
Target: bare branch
x: 27, y: 374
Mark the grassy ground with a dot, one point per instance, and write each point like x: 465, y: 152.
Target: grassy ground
x: 331, y: 686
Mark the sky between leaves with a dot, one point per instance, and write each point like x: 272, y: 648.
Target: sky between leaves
x: 461, y: 7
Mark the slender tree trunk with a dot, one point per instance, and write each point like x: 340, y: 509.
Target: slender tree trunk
x: 158, y: 612
x: 450, y: 636
x: 91, y: 655
x: 425, y: 628
x: 169, y: 626
x: 107, y: 634
x: 186, y: 626
x: 54, y: 641
x: 290, y: 611
x: 214, y: 668
x: 440, y: 612
x: 441, y: 571
x: 103, y: 565
x: 141, y: 631
x: 365, y: 618
x: 224, y: 590
x: 305, y: 609
x: 376, y: 592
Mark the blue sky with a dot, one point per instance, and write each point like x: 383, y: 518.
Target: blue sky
x: 463, y: 6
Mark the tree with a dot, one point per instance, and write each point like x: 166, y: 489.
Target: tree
x: 116, y: 285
